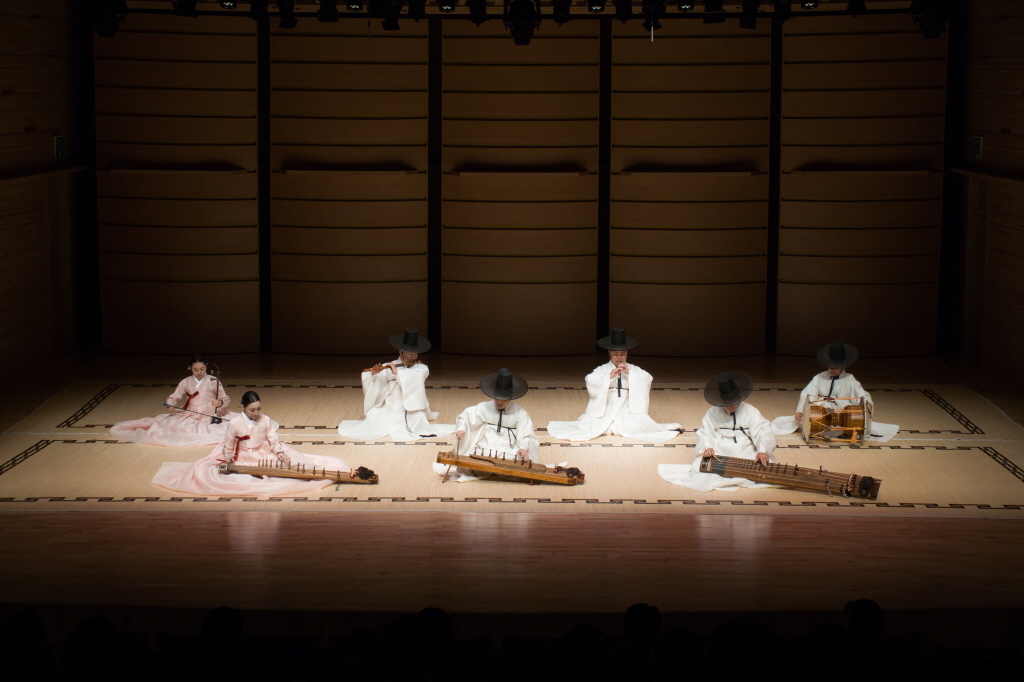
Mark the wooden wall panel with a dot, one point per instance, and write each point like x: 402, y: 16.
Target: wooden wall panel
x: 36, y: 71
x: 528, y: 238
x: 349, y: 191
x: 861, y: 205
x: 26, y: 315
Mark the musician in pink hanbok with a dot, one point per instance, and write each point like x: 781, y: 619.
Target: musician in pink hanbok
x: 197, y: 399
x: 251, y: 440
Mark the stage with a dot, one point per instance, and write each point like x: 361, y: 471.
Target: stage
x: 943, y: 533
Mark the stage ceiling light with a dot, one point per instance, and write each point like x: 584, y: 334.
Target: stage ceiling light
x: 521, y: 18
x: 477, y: 11
x: 652, y: 10
x: 623, y: 10
x: 595, y: 6
x: 748, y: 17
x: 286, y: 11
x: 355, y: 6
x: 714, y: 12
x: 108, y: 15
x: 185, y: 8
x: 328, y: 12
x: 417, y: 9
x: 685, y: 6
x: 856, y: 7
x: 561, y: 11
x: 810, y: 4
x: 448, y: 6
x: 228, y: 4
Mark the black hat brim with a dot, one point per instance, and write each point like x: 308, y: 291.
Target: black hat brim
x: 397, y: 342
x: 852, y: 354
x: 489, y: 386
x: 606, y: 342
x: 714, y: 396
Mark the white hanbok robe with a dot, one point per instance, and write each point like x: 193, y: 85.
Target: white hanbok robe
x: 395, y: 406
x: 615, y: 410
x: 742, y: 434
x: 846, y: 390
x: 480, y: 422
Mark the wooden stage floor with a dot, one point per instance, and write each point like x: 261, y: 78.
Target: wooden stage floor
x: 508, y: 561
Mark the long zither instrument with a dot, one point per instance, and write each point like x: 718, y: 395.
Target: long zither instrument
x: 214, y: 419
x: 497, y: 463
x: 793, y: 476
x: 273, y: 467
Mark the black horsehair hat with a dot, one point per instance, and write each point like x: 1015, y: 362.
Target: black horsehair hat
x: 837, y: 354
x: 410, y: 341
x: 728, y: 388
x: 504, y: 385
x: 618, y: 340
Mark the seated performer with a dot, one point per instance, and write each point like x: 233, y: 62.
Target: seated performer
x: 494, y: 427
x: 731, y: 428
x: 251, y: 437
x: 620, y: 394
x: 395, y: 397
x: 204, y: 397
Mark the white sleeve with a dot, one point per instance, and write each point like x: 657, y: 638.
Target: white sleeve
x: 597, y: 387
x: 809, y: 389
x: 707, y: 434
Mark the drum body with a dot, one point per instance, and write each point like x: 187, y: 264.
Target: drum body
x: 835, y: 420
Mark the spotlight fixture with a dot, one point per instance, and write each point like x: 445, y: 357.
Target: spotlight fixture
x: 521, y: 17
x: 685, y: 7
x: 748, y: 17
x: 286, y: 10
x: 417, y: 9
x: 930, y: 15
x: 185, y: 8
x: 714, y: 12
x: 355, y: 6
x: 561, y: 11
x: 595, y: 6
x: 328, y: 12
x: 809, y: 4
x: 228, y: 4
x: 652, y: 10
x: 856, y: 7
x: 477, y: 11
x: 108, y: 15
x: 258, y: 9
x: 623, y: 10
x: 447, y: 6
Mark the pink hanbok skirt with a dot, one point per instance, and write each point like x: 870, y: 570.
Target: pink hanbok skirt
x: 203, y: 478
x: 178, y: 430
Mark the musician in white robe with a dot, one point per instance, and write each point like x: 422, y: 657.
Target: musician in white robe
x: 731, y: 428
x: 497, y: 427
x: 620, y: 396
x: 838, y: 388
x: 395, y: 397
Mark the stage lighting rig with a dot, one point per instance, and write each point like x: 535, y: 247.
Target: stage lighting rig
x: 748, y: 16
x: 477, y: 11
x: 595, y: 6
x: 623, y: 10
x: 108, y: 16
x: 185, y: 8
x: 652, y: 9
x: 417, y: 9
x: 685, y: 7
x: 228, y: 4
x: 809, y: 4
x: 521, y: 18
x: 714, y: 12
x: 930, y: 15
x: 328, y: 12
x: 448, y: 6
x: 856, y: 7
x: 286, y: 12
x: 561, y: 11
x: 355, y: 6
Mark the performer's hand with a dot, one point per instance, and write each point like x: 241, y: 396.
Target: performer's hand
x: 708, y: 452
x: 284, y: 459
x: 624, y: 368
x: 170, y: 408
x: 394, y: 369
x: 762, y: 458
x: 525, y: 455
x: 218, y: 403
x: 376, y: 369
x: 871, y: 410
x: 459, y: 435
x: 799, y: 416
